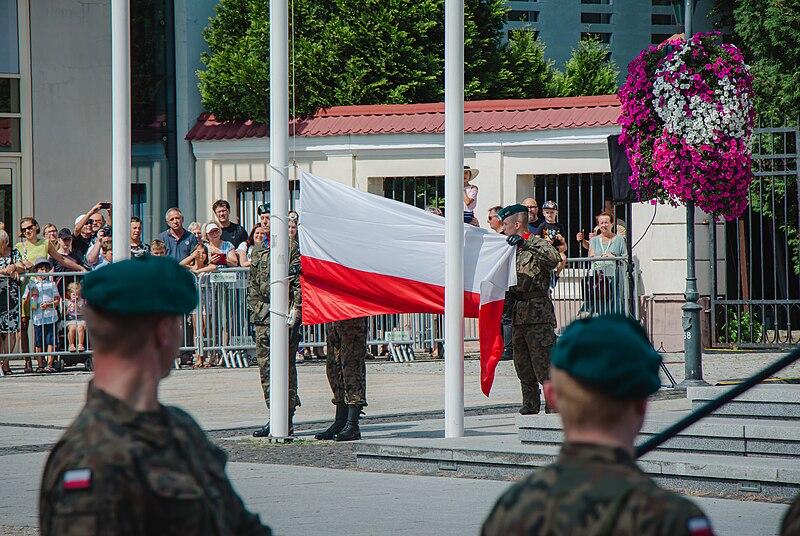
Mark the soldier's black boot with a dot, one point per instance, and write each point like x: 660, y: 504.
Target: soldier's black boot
x: 338, y: 424
x: 351, y: 431
x: 263, y: 431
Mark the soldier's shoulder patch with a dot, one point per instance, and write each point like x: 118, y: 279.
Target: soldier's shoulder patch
x: 75, y: 479
x: 699, y: 526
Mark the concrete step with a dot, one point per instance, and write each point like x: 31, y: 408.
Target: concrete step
x: 503, y: 457
x: 712, y: 435
x: 779, y: 401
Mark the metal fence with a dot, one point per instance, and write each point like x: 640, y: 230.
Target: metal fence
x: 756, y: 298
x: 219, y: 332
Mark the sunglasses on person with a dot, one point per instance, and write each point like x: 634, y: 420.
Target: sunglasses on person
x: 28, y: 228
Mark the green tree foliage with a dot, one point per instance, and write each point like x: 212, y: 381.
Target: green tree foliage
x: 524, y: 74
x: 346, y: 52
x: 768, y: 32
x: 589, y: 71
x: 381, y: 52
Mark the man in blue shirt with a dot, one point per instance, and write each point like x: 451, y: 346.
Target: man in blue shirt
x: 180, y: 242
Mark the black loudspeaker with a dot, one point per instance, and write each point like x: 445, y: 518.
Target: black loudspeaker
x: 620, y: 171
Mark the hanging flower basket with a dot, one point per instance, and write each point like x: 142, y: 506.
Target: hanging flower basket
x: 687, y: 119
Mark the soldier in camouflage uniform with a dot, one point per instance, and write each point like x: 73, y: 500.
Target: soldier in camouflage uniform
x: 127, y: 464
x: 604, y: 369
x: 347, y: 376
x: 258, y: 304
x: 532, y: 313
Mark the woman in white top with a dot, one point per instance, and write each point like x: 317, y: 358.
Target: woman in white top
x: 245, y: 250
x: 608, y: 275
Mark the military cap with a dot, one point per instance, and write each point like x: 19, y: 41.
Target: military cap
x: 141, y: 286
x: 610, y: 353
x: 550, y: 205
x: 510, y: 210
x: 263, y: 209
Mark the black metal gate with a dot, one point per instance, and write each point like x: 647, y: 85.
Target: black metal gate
x: 756, y: 302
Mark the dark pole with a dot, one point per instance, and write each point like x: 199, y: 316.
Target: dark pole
x: 692, y: 351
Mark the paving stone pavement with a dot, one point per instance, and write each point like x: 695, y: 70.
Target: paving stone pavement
x: 302, y: 500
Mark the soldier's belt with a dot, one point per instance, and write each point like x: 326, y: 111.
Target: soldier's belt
x: 531, y: 294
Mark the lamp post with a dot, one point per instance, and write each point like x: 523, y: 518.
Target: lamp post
x: 692, y: 351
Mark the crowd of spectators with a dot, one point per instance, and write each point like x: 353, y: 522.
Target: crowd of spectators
x: 52, y: 304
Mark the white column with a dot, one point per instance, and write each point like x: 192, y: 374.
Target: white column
x: 121, y: 128
x: 454, y: 218
x: 279, y: 239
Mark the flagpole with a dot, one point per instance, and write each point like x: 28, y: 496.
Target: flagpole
x: 279, y: 199
x: 454, y: 219
x: 120, y: 128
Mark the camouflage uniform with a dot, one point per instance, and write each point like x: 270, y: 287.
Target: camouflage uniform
x: 344, y: 365
x: 149, y: 473
x: 791, y: 522
x: 258, y: 305
x: 593, y: 490
x: 533, y: 316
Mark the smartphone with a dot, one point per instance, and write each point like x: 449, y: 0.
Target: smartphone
x: 105, y: 205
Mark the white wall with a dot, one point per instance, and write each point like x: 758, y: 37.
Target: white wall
x: 71, y: 94
x: 507, y: 164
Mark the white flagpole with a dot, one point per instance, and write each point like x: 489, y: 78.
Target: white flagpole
x: 279, y: 199
x: 120, y: 128
x: 454, y: 218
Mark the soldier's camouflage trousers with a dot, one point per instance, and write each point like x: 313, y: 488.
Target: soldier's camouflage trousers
x: 345, y: 366
x: 262, y: 356
x: 532, y: 344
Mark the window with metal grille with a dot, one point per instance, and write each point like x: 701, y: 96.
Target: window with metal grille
x: 596, y: 18
x: 421, y: 192
x: 580, y: 197
x: 252, y: 194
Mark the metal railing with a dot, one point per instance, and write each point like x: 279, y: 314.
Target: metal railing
x: 220, y: 330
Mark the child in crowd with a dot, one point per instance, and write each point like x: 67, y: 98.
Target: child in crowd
x: 158, y: 248
x: 554, y: 232
x: 41, y: 293
x: 76, y: 325
x: 470, y: 194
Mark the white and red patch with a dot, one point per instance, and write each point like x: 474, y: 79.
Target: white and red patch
x: 699, y: 526
x: 78, y: 479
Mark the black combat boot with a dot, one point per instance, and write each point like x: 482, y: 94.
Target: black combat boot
x: 263, y: 431
x: 351, y: 431
x: 338, y: 424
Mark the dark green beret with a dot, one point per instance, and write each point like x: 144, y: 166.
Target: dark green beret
x: 141, y: 286
x: 610, y: 353
x: 510, y: 210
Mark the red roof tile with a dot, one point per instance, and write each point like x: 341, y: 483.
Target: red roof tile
x: 479, y: 116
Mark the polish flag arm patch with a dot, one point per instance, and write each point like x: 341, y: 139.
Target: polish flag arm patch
x: 77, y: 479
x: 699, y: 526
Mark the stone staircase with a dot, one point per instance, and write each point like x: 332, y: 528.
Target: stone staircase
x: 749, y: 449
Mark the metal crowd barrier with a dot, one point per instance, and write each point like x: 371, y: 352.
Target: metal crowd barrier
x: 220, y: 331
x: 590, y: 286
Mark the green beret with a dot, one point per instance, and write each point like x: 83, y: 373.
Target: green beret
x: 142, y: 286
x: 510, y: 210
x: 610, y: 353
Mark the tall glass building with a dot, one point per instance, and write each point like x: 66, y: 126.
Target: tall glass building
x: 627, y: 26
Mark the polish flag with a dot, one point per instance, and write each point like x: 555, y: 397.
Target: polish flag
x: 364, y: 255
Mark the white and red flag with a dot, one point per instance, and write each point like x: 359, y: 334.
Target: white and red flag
x: 363, y: 255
